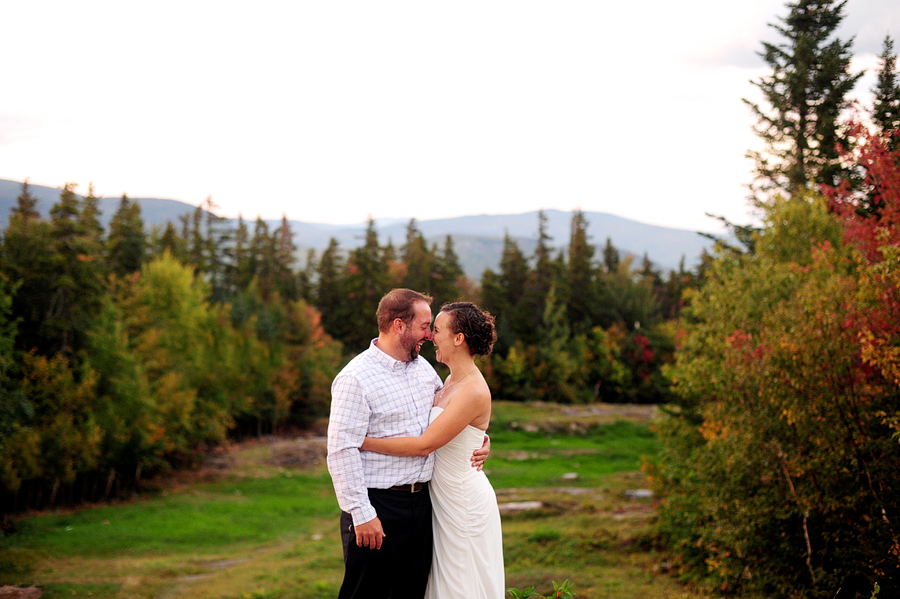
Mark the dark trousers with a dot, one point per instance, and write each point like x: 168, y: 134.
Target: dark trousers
x: 399, y: 570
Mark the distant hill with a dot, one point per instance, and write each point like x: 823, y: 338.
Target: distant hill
x: 477, y: 239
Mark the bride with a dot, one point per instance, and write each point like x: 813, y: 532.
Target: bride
x: 468, y: 545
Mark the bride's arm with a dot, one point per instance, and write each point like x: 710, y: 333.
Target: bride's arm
x: 447, y: 425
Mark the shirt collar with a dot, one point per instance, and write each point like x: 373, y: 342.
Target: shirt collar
x: 383, y: 358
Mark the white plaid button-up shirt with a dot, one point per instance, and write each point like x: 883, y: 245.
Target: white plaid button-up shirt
x: 377, y: 396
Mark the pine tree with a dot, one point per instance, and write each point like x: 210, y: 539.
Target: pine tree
x: 262, y: 258
x: 611, y: 257
x: 127, y: 244
x: 76, y: 278
x: 286, y: 282
x: 25, y: 260
x: 170, y: 241
x: 886, y: 110
x: 90, y: 216
x: 805, y: 92
x: 419, y: 260
x: 449, y: 274
x: 217, y: 238
x: 541, y: 279
x: 330, y: 292
x: 25, y: 204
x: 366, y: 282
x: 578, y: 287
x: 239, y: 255
x: 503, y: 295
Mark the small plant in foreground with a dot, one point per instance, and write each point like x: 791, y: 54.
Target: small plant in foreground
x: 562, y: 591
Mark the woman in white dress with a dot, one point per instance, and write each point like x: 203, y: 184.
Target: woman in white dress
x: 468, y: 544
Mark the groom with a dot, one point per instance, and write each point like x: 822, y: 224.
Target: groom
x: 386, y: 391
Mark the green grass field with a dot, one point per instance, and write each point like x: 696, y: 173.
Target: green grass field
x: 260, y: 530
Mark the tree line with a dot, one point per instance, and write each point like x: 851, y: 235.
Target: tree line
x: 124, y: 353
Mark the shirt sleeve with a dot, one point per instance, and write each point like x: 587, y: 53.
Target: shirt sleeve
x: 347, y: 427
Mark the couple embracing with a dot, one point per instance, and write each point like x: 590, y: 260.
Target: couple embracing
x: 405, y: 453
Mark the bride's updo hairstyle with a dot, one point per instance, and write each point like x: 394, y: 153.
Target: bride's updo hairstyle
x: 475, y: 324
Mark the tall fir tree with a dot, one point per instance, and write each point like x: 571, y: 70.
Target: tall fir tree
x: 330, y: 292
x: 449, y: 274
x: 169, y: 242
x: 805, y: 94
x: 611, y: 257
x: 367, y: 280
x: 886, y: 109
x: 541, y: 279
x: 578, y: 288
x: 262, y: 258
x: 286, y: 282
x: 90, y: 216
x: 127, y: 244
x: 217, y: 237
x: 239, y: 258
x: 418, y: 259
x: 26, y: 259
x: 76, y: 278
x: 503, y: 295
x: 26, y: 204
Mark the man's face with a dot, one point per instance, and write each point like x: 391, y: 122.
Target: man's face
x: 418, y: 331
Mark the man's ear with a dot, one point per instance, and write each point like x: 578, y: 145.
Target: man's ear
x: 399, y: 325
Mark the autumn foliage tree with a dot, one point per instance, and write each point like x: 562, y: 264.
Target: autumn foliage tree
x: 781, y: 449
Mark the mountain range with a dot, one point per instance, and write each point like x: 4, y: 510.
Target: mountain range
x: 477, y: 239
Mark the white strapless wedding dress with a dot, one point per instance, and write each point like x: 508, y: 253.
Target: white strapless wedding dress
x: 468, y: 543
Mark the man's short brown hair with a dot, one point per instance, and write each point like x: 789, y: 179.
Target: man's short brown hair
x: 399, y: 303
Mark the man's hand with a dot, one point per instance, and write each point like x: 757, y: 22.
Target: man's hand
x: 481, y: 454
x: 370, y: 534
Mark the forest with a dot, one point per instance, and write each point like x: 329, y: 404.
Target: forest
x: 126, y: 353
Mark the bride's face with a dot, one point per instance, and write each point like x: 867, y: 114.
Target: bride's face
x: 443, y: 336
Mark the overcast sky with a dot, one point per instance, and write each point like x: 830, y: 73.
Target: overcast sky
x: 331, y: 111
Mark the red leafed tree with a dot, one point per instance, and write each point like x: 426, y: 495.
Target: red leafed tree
x: 871, y: 213
x: 871, y: 221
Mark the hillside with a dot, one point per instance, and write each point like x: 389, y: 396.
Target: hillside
x: 478, y: 239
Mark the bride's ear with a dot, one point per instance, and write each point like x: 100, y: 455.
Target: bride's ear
x: 459, y: 339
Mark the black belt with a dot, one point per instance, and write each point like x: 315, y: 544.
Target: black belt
x: 411, y: 488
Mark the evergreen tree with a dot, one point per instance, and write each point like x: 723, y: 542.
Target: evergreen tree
x: 170, y: 241
x: 366, y: 282
x: 886, y: 111
x: 330, y: 292
x: 262, y: 258
x: 449, y: 274
x: 217, y: 238
x: 286, y: 282
x: 805, y: 92
x: 541, y: 278
x: 503, y: 295
x: 25, y: 204
x: 611, y: 257
x: 306, y: 278
x: 419, y: 260
x: 76, y: 277
x: 90, y: 216
x: 578, y: 286
x: 25, y: 261
x: 126, y: 245
x: 239, y: 270
x: 196, y: 243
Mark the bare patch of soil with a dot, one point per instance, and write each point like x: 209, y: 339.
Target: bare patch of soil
x: 20, y: 592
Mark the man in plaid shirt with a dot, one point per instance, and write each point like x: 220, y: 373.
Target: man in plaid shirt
x: 386, y: 391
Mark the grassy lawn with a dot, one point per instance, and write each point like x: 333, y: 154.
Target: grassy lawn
x: 263, y: 529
